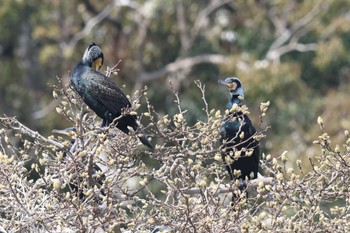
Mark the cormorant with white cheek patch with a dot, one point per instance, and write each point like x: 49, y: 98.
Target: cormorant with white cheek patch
x: 101, y: 94
x: 238, y: 137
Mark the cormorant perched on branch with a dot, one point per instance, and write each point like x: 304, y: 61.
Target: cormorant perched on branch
x: 101, y: 94
x: 237, y: 133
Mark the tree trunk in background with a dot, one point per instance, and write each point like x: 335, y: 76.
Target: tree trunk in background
x: 28, y: 54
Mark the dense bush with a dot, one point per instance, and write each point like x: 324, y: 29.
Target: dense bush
x: 49, y: 184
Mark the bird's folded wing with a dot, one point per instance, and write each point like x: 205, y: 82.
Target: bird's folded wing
x: 106, y: 92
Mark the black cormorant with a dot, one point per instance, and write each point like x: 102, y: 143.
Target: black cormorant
x: 101, y: 94
x: 237, y: 132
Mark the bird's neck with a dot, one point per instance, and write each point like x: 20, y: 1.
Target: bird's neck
x: 234, y: 100
x: 86, y: 62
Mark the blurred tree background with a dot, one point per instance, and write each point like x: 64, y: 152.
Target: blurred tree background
x: 293, y: 53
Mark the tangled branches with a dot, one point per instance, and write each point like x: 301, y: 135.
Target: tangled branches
x: 103, y: 180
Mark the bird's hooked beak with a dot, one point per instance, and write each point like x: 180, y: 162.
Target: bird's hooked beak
x: 229, y: 85
x: 96, y: 65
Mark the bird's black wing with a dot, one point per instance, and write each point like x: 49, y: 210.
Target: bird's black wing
x: 107, y: 92
x: 254, y: 143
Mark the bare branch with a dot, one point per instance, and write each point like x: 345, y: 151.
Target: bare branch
x: 114, y: 70
x: 90, y: 7
x: 143, y: 23
x: 182, y: 25
x: 184, y: 63
x: 278, y: 22
x: 203, y: 14
x: 44, y: 111
x: 308, y: 18
x: 277, y: 53
x: 13, y: 123
x: 91, y: 23
x: 293, y: 34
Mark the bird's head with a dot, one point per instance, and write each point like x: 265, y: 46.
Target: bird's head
x: 93, y: 56
x: 234, y: 85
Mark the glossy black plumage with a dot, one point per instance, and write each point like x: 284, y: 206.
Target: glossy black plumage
x: 237, y: 133
x: 101, y: 94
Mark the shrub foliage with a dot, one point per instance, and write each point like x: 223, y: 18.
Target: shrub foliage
x: 50, y: 184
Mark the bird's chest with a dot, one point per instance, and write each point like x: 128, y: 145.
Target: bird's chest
x: 78, y: 83
x: 233, y: 127
x: 81, y: 85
